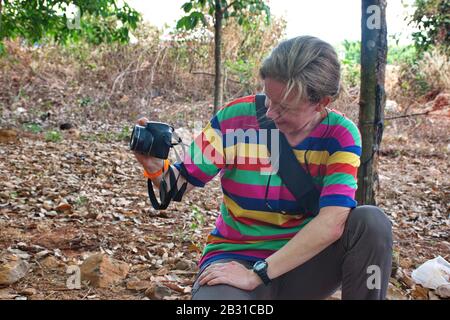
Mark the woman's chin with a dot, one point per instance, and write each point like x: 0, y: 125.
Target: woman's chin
x: 283, y: 126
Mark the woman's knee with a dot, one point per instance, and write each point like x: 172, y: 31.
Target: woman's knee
x: 219, y: 292
x: 373, y: 222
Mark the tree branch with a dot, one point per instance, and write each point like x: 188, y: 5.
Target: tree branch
x: 228, y: 6
x: 408, y: 115
x: 213, y: 75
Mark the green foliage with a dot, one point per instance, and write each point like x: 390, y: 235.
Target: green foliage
x: 108, y: 136
x: 351, y: 73
x: 124, y: 134
x: 402, y: 54
x: 350, y: 61
x: 397, y: 55
x: 413, y: 81
x: 198, y: 220
x: 241, y: 10
x: 85, y: 101
x: 81, y: 201
x: 352, y: 51
x: 246, y: 46
x: 32, y: 127
x: 432, y: 18
x: 241, y: 67
x: 53, y: 136
x: 34, y: 20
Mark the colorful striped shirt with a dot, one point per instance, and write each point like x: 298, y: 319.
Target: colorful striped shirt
x: 247, y: 228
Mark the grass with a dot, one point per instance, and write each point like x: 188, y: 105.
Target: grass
x: 53, y: 136
x: 81, y: 201
x: 198, y: 218
x: 32, y: 127
x: 107, y: 136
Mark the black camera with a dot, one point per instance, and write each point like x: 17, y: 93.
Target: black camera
x: 153, y: 139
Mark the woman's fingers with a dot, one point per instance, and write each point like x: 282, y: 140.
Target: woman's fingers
x: 142, y: 121
x: 141, y: 158
x: 208, y: 277
x: 211, y: 272
x: 218, y: 280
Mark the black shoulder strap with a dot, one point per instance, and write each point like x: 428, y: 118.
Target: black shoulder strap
x: 298, y: 182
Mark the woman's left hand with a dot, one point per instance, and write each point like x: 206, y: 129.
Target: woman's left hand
x: 230, y: 273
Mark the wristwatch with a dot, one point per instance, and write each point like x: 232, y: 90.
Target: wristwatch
x: 260, y: 268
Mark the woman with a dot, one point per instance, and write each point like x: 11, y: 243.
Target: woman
x: 256, y: 251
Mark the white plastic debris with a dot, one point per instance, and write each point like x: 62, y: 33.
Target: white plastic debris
x: 433, y: 273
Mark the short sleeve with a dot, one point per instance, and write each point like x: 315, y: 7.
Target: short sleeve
x: 340, y: 182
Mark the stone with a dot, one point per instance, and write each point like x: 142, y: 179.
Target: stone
x: 50, y: 262
x: 28, y: 292
x: 12, y: 269
x: 5, y: 294
x: 433, y: 296
x: 48, y: 205
x: 186, y: 265
x: 102, y: 271
x: 443, y: 291
x: 407, y: 281
x: 394, y: 293
x: 8, y: 135
x: 419, y: 293
x: 138, y: 285
x: 64, y: 207
x: 52, y: 213
x: 21, y: 254
x: 42, y: 254
x: 158, y: 291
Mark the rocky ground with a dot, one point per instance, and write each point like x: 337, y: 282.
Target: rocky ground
x: 74, y: 202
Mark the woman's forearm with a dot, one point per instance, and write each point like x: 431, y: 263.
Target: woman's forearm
x: 318, y: 234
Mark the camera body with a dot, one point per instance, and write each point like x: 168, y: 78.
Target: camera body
x: 154, y: 139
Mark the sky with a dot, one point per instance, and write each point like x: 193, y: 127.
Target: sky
x: 330, y: 20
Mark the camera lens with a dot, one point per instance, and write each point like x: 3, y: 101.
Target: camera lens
x: 141, y: 140
x: 134, y: 138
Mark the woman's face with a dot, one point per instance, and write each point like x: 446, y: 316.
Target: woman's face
x: 290, y: 115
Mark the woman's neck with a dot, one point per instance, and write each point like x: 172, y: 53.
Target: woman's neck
x: 297, y: 136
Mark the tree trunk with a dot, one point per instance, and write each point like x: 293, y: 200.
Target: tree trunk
x: 1, y: 26
x: 218, y: 85
x: 372, y: 95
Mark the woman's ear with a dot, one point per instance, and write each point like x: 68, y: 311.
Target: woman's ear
x: 323, y: 103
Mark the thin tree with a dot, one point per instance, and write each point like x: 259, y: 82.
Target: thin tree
x: 220, y: 11
x: 372, y: 96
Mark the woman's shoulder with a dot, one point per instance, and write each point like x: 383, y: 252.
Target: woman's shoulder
x: 238, y: 112
x: 342, y: 127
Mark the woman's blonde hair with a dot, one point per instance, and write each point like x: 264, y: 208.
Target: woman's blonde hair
x: 307, y: 64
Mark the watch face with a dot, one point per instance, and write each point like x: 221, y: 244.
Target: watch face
x: 260, y: 265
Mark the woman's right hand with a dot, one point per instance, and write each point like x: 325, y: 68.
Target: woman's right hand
x: 150, y: 164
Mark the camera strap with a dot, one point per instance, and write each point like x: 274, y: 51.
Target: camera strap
x: 296, y: 179
x: 166, y: 195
